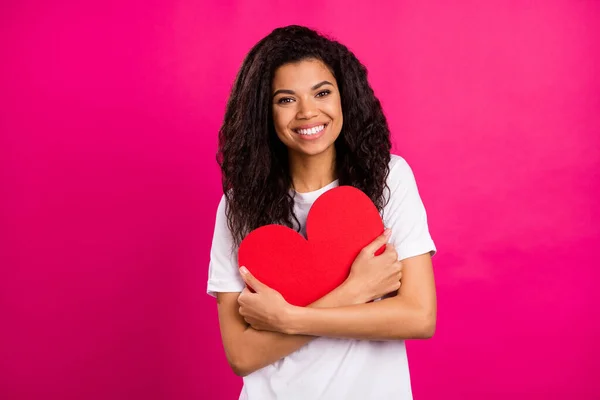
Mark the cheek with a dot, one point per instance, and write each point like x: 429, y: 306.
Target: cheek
x: 335, y: 112
x: 280, y: 120
x: 280, y: 123
x: 334, y: 109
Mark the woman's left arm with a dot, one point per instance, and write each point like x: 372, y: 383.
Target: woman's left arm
x: 409, y: 315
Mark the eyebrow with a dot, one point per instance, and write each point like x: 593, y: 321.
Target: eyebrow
x: 287, y: 91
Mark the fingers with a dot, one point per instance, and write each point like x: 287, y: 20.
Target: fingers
x: 243, y: 296
x: 251, y: 280
x: 242, y: 302
x: 372, y: 247
x: 390, y: 252
x: 398, y: 266
x: 395, y: 278
x: 244, y: 293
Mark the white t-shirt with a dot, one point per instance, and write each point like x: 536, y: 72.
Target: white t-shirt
x: 331, y: 368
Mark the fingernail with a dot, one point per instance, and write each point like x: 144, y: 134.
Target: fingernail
x: 243, y: 270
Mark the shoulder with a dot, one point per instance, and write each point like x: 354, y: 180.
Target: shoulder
x: 404, y: 211
x: 222, y: 207
x: 222, y: 233
x: 401, y: 191
x: 400, y: 173
x: 223, y: 204
x: 221, y: 212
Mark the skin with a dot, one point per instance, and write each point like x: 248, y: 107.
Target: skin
x: 260, y: 328
x: 306, y: 94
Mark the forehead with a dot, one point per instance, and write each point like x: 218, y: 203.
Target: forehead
x: 302, y: 75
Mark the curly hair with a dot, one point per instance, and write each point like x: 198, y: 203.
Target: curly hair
x: 254, y: 162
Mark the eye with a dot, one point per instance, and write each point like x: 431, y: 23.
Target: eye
x: 285, y: 100
x: 323, y: 93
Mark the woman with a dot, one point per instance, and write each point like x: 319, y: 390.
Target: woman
x: 302, y: 119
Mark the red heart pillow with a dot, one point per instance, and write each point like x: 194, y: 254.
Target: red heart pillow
x: 340, y: 223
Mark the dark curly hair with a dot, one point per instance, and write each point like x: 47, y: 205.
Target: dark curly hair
x: 254, y: 162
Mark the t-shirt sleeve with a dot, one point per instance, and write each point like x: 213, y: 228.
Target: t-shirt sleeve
x: 405, y: 213
x: 223, y: 274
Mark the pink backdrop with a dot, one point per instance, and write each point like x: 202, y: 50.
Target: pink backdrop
x: 108, y: 126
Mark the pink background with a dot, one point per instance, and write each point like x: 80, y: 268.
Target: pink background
x: 109, y: 186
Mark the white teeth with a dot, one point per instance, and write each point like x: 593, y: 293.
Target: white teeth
x: 312, y: 131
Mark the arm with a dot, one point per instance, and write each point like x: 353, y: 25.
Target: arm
x: 248, y: 349
x: 251, y: 345
x: 409, y: 315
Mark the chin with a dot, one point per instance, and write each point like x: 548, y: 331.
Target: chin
x: 311, y: 152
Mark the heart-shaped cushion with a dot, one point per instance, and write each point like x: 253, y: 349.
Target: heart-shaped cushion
x: 340, y: 223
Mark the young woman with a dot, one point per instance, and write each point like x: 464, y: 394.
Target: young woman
x: 302, y: 119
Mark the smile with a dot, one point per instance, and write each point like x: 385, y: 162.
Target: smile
x: 311, y: 131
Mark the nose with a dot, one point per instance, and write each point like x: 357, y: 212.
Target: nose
x: 307, y: 109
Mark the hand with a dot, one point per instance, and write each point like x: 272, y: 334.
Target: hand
x: 376, y: 276
x: 265, y: 310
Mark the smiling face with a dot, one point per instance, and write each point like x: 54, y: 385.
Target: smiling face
x: 307, y: 108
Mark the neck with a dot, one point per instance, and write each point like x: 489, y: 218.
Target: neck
x: 310, y: 173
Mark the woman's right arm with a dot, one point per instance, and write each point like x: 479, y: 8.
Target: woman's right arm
x: 248, y: 349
